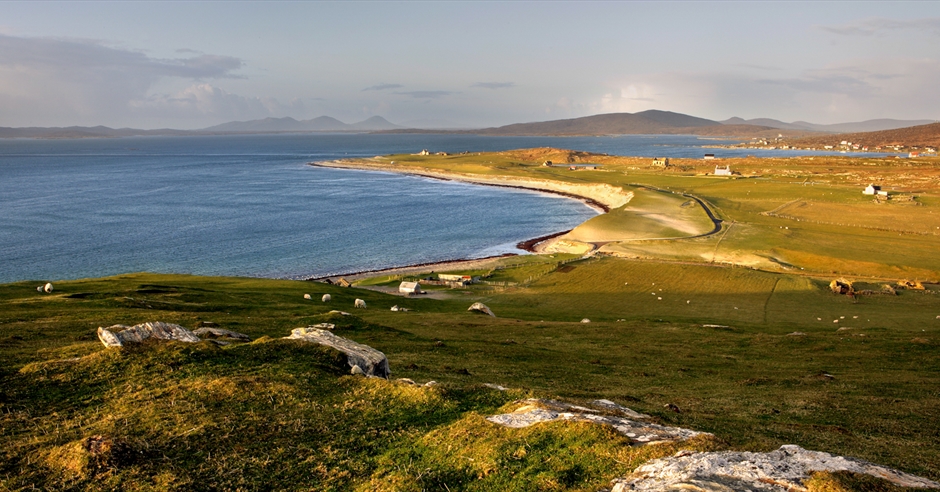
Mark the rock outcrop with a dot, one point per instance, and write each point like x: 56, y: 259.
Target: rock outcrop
x: 783, y: 470
x: 481, y: 308
x: 111, y: 337
x: 624, y: 420
x: 369, y: 360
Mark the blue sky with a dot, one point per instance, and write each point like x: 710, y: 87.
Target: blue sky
x: 194, y: 64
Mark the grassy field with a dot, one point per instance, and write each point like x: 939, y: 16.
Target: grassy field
x: 738, y: 330
x: 780, y: 214
x: 275, y: 411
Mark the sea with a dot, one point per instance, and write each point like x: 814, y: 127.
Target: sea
x: 250, y: 205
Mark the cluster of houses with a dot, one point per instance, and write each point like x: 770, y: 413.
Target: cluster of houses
x: 447, y: 279
x: 573, y: 167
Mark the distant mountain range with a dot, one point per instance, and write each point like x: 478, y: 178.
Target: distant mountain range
x: 643, y: 123
x: 650, y: 122
x: 321, y: 124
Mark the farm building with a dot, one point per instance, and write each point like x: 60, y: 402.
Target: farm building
x: 578, y: 167
x: 709, y: 157
x: 723, y: 171
x: 461, y: 279
x: 661, y: 162
x: 410, y: 288
x: 871, y: 190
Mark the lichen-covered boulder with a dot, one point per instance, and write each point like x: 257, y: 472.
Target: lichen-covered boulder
x: 369, y: 360
x: 481, y: 308
x: 120, y: 335
x: 783, y: 470
x: 604, y: 412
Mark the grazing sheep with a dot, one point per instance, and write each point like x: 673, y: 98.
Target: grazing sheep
x: 360, y: 304
x: 327, y: 298
x: 307, y: 296
x: 45, y: 288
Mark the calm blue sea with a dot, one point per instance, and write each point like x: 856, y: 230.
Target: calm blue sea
x: 250, y: 206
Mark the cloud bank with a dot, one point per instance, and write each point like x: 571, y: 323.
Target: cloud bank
x: 42, y: 79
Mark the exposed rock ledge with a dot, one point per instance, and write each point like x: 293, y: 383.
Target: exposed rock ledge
x: 604, y: 194
x: 783, y: 470
x: 624, y: 420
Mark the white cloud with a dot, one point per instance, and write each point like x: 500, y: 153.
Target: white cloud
x: 204, y: 100
x: 880, y: 25
x: 854, y: 90
x: 53, y: 81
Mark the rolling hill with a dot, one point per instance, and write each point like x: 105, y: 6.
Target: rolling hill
x: 649, y: 122
x: 915, y: 136
x: 858, y: 126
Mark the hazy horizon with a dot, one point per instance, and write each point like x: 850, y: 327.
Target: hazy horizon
x: 463, y: 64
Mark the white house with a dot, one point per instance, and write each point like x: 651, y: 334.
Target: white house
x: 409, y: 288
x: 871, y: 190
x: 722, y: 171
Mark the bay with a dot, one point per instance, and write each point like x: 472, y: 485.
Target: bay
x: 250, y: 205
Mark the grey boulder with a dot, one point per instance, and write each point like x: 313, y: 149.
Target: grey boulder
x: 120, y: 335
x: 369, y: 360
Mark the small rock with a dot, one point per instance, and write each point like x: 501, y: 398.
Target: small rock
x: 323, y: 326
x: 341, y: 313
x: 308, y: 296
x: 481, y: 308
x: 406, y: 381
x: 207, y: 332
x: 357, y: 371
x: 207, y: 324
x: 585, y: 320
x: 796, y: 334
x: 673, y: 407
x: 495, y: 387
x: 430, y: 383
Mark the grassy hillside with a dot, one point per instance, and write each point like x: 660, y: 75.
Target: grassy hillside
x: 280, y: 414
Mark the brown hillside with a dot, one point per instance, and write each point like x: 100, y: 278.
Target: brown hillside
x: 915, y: 136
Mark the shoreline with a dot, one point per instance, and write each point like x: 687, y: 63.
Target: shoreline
x: 413, y: 268
x: 617, y: 198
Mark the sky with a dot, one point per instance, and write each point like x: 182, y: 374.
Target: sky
x: 187, y: 65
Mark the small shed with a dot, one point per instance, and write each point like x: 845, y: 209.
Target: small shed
x: 709, y: 157
x: 722, y: 171
x: 410, y: 288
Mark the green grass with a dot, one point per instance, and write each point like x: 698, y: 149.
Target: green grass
x: 183, y: 417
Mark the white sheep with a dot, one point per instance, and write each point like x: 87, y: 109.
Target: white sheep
x: 307, y: 296
x: 45, y: 288
x: 327, y: 298
x: 360, y: 304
